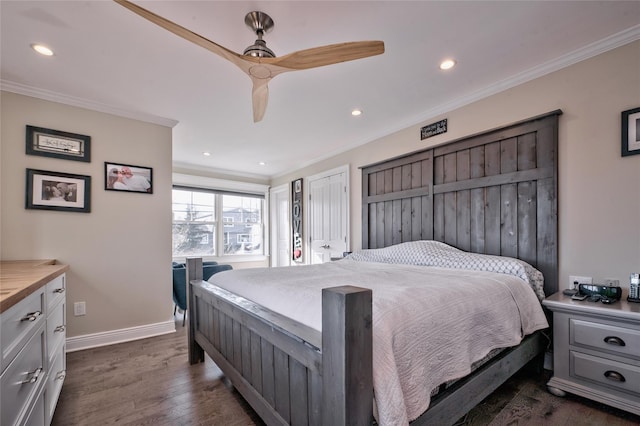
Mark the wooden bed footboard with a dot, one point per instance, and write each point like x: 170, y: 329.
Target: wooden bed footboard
x: 288, y: 372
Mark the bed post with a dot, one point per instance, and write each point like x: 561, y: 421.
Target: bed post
x: 194, y: 273
x: 347, y: 372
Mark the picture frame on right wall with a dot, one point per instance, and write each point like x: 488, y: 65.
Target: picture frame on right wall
x: 128, y: 178
x: 631, y: 132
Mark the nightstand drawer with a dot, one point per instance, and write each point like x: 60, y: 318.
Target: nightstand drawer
x: 615, y: 339
x: 612, y: 374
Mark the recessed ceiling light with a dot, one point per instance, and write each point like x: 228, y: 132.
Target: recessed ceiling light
x: 356, y: 112
x: 447, y: 64
x: 206, y: 153
x: 42, y: 49
x: 261, y: 163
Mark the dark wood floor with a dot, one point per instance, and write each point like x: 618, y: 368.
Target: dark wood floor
x: 150, y: 382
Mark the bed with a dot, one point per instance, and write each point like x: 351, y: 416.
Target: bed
x: 494, y: 194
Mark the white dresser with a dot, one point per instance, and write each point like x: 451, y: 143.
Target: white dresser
x: 596, y: 351
x: 32, y: 340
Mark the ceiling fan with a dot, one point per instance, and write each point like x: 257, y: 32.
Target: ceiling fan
x: 258, y: 61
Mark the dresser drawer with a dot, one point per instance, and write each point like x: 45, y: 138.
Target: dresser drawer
x: 614, y: 339
x: 56, y: 330
x: 57, y: 373
x: 37, y: 416
x: 612, y: 374
x: 55, y: 291
x: 22, y: 379
x: 18, y: 323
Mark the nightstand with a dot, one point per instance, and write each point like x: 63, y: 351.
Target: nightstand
x: 596, y: 350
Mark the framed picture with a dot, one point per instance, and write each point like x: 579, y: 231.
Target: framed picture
x: 58, y: 144
x: 631, y: 132
x: 128, y: 178
x: 48, y: 190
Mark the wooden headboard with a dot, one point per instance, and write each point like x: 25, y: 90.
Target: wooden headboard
x: 493, y: 193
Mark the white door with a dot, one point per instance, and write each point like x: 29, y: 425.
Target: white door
x: 280, y: 226
x: 327, y: 217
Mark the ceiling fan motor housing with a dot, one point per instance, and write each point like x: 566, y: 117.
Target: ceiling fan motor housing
x: 260, y: 23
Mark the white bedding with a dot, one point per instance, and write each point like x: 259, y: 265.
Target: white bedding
x: 429, y: 323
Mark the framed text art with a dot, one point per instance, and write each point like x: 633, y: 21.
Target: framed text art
x: 631, y: 132
x: 48, y: 190
x: 58, y: 144
x: 124, y: 177
x: 296, y: 220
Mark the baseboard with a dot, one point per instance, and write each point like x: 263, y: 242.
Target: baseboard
x: 112, y: 337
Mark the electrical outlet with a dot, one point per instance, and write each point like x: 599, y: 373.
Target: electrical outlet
x: 79, y: 309
x: 611, y: 282
x: 580, y: 280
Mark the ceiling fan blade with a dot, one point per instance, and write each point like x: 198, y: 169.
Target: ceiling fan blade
x: 260, y: 95
x: 178, y: 30
x: 327, y: 55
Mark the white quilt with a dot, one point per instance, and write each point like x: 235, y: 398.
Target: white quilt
x: 429, y: 323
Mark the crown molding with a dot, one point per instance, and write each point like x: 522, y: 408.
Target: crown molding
x: 48, y: 95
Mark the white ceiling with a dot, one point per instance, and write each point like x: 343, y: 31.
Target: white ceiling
x: 109, y: 59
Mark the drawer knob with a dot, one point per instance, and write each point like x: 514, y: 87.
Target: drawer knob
x: 59, y: 290
x: 34, y: 376
x: 612, y: 340
x: 59, y: 329
x: 615, y: 376
x: 31, y: 316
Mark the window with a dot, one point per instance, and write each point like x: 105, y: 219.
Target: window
x: 197, y: 231
x: 245, y: 227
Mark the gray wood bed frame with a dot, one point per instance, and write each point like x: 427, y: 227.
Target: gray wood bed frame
x: 493, y: 193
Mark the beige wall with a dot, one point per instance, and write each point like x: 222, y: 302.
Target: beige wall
x: 599, y: 191
x: 120, y: 252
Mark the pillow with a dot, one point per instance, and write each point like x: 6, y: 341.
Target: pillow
x: 436, y: 253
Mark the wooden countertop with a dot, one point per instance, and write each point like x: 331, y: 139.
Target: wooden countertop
x: 20, y: 278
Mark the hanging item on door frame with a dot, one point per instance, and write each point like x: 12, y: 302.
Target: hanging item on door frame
x: 296, y: 219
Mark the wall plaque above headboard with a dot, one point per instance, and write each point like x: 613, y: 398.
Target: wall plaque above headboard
x: 494, y: 193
